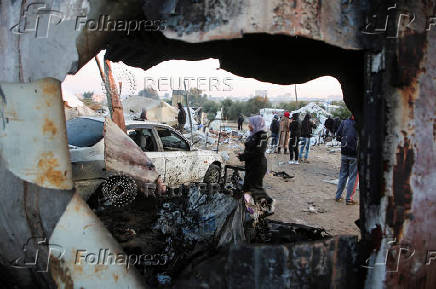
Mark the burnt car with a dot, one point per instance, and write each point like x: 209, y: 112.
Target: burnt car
x: 172, y: 154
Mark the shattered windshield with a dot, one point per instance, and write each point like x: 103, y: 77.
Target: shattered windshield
x: 84, y: 132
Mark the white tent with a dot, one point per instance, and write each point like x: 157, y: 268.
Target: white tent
x: 157, y: 110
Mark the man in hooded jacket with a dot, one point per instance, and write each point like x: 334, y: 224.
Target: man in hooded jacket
x: 295, y: 133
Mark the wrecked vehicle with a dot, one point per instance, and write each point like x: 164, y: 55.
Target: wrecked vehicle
x: 170, y: 152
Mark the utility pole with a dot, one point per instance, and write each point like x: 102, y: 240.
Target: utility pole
x: 296, y: 98
x: 113, y: 98
x: 189, y: 112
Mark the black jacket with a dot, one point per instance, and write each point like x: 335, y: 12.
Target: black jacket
x: 306, y: 127
x: 275, y: 126
x: 329, y: 124
x: 255, y: 161
x: 240, y: 119
x: 295, y: 128
x: 181, y: 117
x: 347, y: 135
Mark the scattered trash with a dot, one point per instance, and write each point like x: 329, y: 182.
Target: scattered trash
x: 282, y: 174
x: 333, y: 182
x: 164, y: 279
x: 334, y: 150
x: 313, y: 209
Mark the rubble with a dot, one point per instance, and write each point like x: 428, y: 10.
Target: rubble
x: 282, y: 174
x: 319, y: 116
x: 193, y: 227
x: 74, y: 107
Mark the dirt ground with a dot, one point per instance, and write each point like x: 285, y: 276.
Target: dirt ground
x: 306, y: 198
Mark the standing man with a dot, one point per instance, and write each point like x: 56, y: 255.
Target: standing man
x: 143, y: 115
x: 284, y: 132
x: 347, y: 135
x: 181, y: 117
x: 295, y: 133
x: 275, y: 130
x: 240, y: 121
x: 329, y: 125
x: 306, y: 133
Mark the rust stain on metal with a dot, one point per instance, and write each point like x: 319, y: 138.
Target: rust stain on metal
x: 60, y: 274
x: 49, y: 127
x: 49, y: 88
x: 399, y: 206
x: 99, y: 267
x: 47, y: 171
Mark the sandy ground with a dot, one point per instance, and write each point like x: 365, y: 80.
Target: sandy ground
x: 295, y: 196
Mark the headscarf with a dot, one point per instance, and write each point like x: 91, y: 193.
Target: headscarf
x: 258, y: 124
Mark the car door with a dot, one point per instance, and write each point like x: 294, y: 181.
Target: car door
x: 179, y: 159
x: 145, y: 138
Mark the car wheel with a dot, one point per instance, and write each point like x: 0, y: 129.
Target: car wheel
x: 212, y: 175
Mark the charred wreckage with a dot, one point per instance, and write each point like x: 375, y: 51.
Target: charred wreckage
x: 380, y: 51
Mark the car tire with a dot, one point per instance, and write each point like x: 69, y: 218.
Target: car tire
x: 213, y: 175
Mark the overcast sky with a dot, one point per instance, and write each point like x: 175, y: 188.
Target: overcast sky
x: 204, y: 74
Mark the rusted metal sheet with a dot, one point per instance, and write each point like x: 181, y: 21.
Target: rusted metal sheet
x: 90, y: 257
x: 400, y: 206
x: 33, y: 139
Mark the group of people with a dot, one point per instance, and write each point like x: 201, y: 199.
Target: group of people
x: 287, y: 133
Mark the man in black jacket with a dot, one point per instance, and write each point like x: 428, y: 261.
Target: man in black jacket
x: 347, y: 135
x: 306, y: 133
x: 181, y: 117
x: 240, y: 121
x: 275, y: 130
x: 295, y: 133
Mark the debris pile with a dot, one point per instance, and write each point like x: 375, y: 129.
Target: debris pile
x: 319, y: 115
x: 74, y: 107
x: 195, y: 226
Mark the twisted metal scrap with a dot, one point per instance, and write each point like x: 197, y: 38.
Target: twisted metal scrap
x: 120, y: 190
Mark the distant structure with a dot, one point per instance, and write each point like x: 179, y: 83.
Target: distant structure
x: 261, y: 93
x: 178, y: 96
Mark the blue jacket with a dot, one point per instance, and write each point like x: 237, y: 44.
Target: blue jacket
x: 347, y: 135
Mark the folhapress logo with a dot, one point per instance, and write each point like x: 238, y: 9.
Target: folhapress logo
x: 37, y: 18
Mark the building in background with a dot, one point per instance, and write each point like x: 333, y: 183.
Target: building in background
x: 178, y: 96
